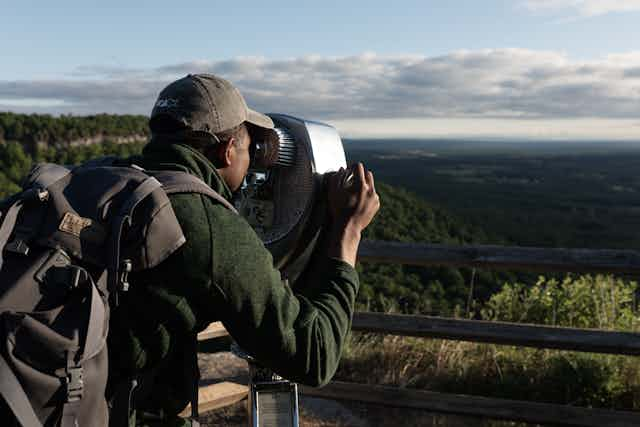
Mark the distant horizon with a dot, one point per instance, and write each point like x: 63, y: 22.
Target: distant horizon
x: 383, y: 128
x: 496, y: 139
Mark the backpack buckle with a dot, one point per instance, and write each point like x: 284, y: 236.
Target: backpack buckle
x: 72, y: 379
x: 126, y: 268
x: 74, y: 383
x: 58, y: 259
x: 42, y: 195
x: 21, y: 237
x: 35, y: 194
x: 18, y: 246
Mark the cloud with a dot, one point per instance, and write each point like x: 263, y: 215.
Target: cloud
x: 486, y: 128
x: 500, y: 83
x: 584, y: 7
x: 113, y: 95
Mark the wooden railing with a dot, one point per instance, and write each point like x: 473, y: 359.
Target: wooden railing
x: 585, y: 340
x: 503, y: 257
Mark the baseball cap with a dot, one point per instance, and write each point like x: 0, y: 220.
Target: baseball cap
x: 206, y: 103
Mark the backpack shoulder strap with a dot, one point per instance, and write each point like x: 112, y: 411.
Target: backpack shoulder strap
x: 9, y: 218
x: 15, y: 397
x: 115, y: 267
x: 174, y: 182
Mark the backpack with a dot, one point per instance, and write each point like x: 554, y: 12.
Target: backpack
x: 67, y: 245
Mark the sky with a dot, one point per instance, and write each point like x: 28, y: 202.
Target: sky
x: 530, y: 69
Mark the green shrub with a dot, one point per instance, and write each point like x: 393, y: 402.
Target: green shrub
x: 585, y: 379
x: 601, y: 302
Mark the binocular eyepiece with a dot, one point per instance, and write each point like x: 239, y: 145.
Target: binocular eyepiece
x: 269, y: 148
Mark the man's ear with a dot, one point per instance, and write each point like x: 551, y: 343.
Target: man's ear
x: 223, y: 152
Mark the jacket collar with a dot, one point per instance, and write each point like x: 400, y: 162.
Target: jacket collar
x: 159, y: 156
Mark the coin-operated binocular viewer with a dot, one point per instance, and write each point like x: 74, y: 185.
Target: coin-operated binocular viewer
x: 283, y: 200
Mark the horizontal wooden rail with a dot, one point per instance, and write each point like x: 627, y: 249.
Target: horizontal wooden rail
x: 587, y: 340
x: 502, y: 257
x: 476, y: 406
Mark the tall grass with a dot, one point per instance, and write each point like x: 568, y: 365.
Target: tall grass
x: 585, y: 379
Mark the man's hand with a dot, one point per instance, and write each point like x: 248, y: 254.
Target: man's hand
x: 353, y: 202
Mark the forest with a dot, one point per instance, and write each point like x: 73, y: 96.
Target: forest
x: 526, y: 193
x: 44, y: 131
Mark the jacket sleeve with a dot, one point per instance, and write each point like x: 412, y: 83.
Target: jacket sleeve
x: 300, y: 335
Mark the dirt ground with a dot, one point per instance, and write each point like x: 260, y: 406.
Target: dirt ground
x: 224, y: 366
x: 314, y: 412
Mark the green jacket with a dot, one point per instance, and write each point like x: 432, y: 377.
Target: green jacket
x: 224, y: 272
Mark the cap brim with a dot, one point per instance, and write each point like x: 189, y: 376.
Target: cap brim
x: 259, y: 119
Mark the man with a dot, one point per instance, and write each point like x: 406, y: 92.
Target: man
x: 201, y: 125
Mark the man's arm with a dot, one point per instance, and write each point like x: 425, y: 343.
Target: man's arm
x: 299, y: 335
